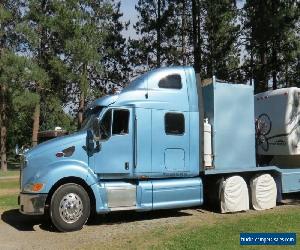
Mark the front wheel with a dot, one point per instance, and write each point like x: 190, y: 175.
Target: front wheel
x: 69, y: 207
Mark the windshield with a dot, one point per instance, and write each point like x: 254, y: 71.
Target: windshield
x: 89, y: 116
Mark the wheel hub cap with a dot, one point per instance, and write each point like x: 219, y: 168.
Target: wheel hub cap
x: 70, y: 208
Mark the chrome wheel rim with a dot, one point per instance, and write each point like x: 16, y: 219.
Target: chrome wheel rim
x: 70, y: 208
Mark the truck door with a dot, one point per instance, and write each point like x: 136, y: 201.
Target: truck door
x: 115, y: 153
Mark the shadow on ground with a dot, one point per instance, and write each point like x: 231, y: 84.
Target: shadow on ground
x: 291, y: 199
x: 28, y: 223
x: 25, y: 223
x: 132, y: 216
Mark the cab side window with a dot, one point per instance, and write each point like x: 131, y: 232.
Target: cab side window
x: 170, y: 82
x: 174, y: 124
x: 121, y: 121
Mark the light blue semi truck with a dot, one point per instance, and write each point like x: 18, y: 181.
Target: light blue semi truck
x: 163, y: 142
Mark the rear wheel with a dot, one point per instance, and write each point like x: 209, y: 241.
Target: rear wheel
x: 263, y: 192
x: 69, y: 207
x: 234, y: 195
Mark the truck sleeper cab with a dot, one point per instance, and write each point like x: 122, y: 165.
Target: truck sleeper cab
x: 136, y: 151
x: 150, y: 148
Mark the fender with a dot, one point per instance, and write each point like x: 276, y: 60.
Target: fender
x: 56, y: 171
x: 61, y: 169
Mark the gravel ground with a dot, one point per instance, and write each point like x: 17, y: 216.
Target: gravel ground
x: 25, y: 232
x: 105, y: 231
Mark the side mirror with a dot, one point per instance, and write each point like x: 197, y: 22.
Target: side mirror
x: 96, y: 129
x: 17, y: 150
x: 21, y: 151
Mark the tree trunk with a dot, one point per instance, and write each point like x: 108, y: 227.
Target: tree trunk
x: 158, y: 34
x: 183, y: 32
x: 261, y: 75
x: 3, y: 148
x: 274, y: 77
x: 286, y: 73
x: 196, y: 28
x: 251, y: 63
x: 36, y: 124
x: 3, y: 128
x: 275, y: 40
x: 81, y: 109
x: 199, y: 34
x: 83, y: 94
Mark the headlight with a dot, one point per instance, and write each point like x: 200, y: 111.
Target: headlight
x: 33, y: 187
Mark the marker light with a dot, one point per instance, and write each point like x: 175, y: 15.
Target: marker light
x: 37, y: 187
x: 33, y: 187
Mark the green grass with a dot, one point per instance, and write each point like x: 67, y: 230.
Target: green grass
x: 9, y: 184
x: 10, y: 173
x: 225, y: 234
x: 211, y: 231
x: 8, y: 201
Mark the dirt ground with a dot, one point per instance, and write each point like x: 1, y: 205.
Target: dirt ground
x: 105, y: 231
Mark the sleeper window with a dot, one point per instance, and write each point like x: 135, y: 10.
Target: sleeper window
x: 120, y: 123
x: 174, y: 124
x: 171, y: 82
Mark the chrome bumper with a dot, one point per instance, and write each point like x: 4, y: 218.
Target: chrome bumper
x: 32, y: 204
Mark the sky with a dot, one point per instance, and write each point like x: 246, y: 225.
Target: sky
x: 129, y: 13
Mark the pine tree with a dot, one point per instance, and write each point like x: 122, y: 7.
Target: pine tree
x: 220, y: 35
x: 115, y: 64
x: 16, y: 75
x: 286, y: 44
x: 270, y: 30
x: 200, y: 32
x: 4, y: 16
x: 196, y: 35
x: 64, y: 38
x: 184, y: 20
x: 82, y: 26
x: 34, y: 29
x: 7, y: 23
x: 158, y: 42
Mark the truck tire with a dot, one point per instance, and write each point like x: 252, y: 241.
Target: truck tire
x: 69, y: 207
x: 233, y: 195
x: 263, y: 192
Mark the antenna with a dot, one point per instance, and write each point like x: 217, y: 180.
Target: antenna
x: 147, y: 68
x: 146, y: 95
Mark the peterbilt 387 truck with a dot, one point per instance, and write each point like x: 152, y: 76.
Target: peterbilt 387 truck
x: 166, y: 141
